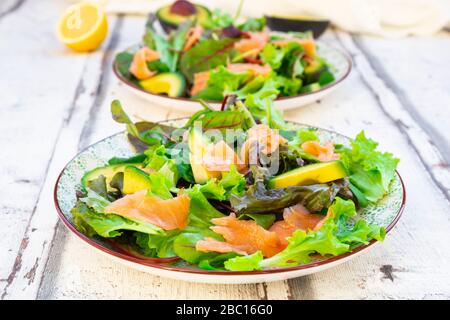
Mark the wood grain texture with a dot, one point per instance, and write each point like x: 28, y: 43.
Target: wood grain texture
x: 41, y: 259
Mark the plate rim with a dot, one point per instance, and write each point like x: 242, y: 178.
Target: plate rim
x: 159, y: 263
x: 329, y: 86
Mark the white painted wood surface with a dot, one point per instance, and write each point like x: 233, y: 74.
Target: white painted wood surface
x: 55, y: 102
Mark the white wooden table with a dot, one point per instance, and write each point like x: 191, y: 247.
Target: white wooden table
x: 55, y: 102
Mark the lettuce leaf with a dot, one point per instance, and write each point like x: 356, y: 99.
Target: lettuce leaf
x: 222, y: 82
x: 335, y: 237
x: 245, y: 263
x: 201, y: 211
x: 371, y: 171
x: 91, y: 223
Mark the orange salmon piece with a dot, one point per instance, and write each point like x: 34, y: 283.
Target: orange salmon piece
x: 192, y: 38
x: 256, y: 42
x: 220, y: 156
x: 322, y: 152
x: 139, y: 66
x: 200, y: 82
x: 167, y: 214
x: 213, y: 245
x: 243, y: 235
x: 308, y: 44
x: 267, y: 140
x: 294, y: 218
x: 256, y: 69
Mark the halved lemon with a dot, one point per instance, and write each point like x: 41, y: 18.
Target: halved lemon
x: 83, y: 26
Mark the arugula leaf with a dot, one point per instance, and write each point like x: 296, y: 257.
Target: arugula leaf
x: 371, y: 171
x: 206, y: 55
x: 91, y: 223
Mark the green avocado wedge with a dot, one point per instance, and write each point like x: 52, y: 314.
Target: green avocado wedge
x: 310, y: 174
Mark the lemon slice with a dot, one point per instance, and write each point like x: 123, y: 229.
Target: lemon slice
x: 83, y: 26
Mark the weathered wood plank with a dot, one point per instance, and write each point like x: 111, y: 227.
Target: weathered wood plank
x: 34, y: 105
x: 405, y: 265
x: 420, y: 86
x: 25, y: 277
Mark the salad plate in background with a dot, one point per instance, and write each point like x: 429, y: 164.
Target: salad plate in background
x: 214, y: 55
x: 160, y: 199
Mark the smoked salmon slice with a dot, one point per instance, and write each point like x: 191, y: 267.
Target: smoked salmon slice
x: 167, y: 214
x: 255, y: 69
x: 308, y: 44
x: 255, y: 43
x: 241, y: 236
x: 266, y: 140
x: 294, y: 218
x: 192, y: 38
x: 213, y: 245
x: 200, y: 82
x: 322, y: 152
x: 139, y: 66
x: 220, y: 156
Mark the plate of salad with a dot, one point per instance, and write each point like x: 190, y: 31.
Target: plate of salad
x: 209, y: 55
x: 230, y: 196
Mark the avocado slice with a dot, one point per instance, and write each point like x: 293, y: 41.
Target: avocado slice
x: 135, y: 180
x: 310, y: 87
x: 310, y: 174
x: 197, y: 147
x: 170, y: 83
x: 107, y: 171
x: 314, y: 69
x: 173, y: 15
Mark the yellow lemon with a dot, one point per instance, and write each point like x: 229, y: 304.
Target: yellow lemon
x: 83, y: 26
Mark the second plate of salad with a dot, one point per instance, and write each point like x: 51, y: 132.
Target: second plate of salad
x: 208, y: 55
